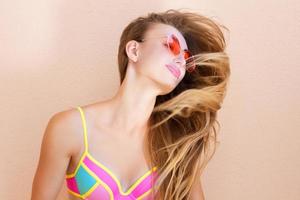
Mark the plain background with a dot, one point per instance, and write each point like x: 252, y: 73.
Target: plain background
x: 57, y: 54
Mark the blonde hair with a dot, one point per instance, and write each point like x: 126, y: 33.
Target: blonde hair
x: 183, y: 125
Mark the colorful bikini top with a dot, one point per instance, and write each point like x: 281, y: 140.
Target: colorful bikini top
x: 91, y: 180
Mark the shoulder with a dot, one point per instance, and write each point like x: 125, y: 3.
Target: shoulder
x: 62, y: 130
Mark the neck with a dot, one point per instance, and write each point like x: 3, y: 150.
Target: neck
x: 133, y: 104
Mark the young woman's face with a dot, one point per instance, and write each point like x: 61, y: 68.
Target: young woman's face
x: 155, y: 60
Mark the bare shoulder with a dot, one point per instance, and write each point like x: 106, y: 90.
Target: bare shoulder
x: 58, y: 145
x: 63, y: 126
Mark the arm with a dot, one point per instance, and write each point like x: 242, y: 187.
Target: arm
x: 197, y: 191
x: 54, y: 159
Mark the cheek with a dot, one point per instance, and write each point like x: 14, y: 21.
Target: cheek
x: 154, y: 59
x: 155, y: 52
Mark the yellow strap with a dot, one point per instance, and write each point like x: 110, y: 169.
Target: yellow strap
x: 84, y: 128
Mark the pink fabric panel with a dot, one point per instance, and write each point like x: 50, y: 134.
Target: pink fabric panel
x: 102, y: 174
x: 144, y: 186
x: 72, y: 185
x: 140, y: 189
x: 99, y: 193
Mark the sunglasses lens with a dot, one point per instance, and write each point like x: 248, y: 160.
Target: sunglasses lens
x: 175, y: 48
x: 187, y: 54
x: 174, y: 45
x: 190, y: 61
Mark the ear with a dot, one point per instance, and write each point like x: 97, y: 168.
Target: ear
x: 132, y: 50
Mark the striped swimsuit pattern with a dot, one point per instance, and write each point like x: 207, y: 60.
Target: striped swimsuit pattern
x: 92, y: 180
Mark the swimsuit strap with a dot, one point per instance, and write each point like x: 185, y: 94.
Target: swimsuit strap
x: 84, y: 128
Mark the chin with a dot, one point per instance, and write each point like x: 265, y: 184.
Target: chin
x: 168, y: 87
x: 166, y: 84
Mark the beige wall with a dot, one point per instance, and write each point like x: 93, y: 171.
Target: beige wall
x: 59, y: 54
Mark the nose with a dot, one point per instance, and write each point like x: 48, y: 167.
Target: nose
x: 180, y: 59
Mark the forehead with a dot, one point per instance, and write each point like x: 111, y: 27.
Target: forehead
x: 164, y: 30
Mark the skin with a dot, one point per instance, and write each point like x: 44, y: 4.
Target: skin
x: 113, y: 122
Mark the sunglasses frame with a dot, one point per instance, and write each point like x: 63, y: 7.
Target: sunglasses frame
x: 173, y: 37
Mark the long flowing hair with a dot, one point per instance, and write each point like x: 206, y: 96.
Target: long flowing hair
x: 183, y: 124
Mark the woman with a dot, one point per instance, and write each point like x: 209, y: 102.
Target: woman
x: 152, y: 139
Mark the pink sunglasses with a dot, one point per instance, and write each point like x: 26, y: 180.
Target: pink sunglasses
x: 174, y: 47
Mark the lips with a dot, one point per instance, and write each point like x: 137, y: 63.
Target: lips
x: 174, y: 70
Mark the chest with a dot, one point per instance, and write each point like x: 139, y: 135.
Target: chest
x: 109, y: 164
x: 124, y: 158
x: 115, y: 169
